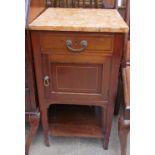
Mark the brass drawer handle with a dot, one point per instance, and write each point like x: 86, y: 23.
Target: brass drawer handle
x: 46, y: 81
x: 83, y: 44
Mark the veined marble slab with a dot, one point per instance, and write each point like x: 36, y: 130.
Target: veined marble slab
x: 78, y: 19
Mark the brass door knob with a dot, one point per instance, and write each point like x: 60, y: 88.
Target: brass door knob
x: 46, y: 81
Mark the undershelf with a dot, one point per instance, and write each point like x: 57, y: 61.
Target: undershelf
x: 75, y: 121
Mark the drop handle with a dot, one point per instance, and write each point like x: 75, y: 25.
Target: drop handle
x: 83, y: 45
x: 46, y: 81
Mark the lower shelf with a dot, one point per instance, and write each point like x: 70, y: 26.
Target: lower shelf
x: 76, y: 121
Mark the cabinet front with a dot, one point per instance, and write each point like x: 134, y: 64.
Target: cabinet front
x: 75, y: 72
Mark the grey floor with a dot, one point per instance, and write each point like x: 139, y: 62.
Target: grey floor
x: 76, y: 146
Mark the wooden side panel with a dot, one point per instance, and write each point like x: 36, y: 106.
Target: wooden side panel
x: 27, y: 100
x: 117, y: 54
x: 40, y: 88
x: 30, y: 97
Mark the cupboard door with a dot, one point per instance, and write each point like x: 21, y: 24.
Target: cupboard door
x: 75, y: 82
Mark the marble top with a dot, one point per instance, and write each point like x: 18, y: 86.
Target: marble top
x: 78, y: 19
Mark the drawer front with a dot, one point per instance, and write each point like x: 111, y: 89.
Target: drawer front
x: 97, y: 44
